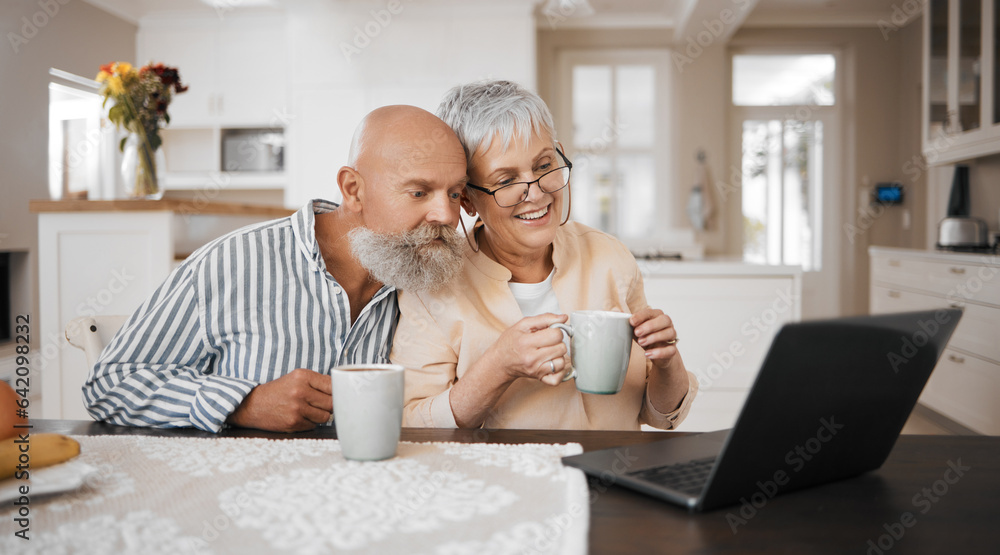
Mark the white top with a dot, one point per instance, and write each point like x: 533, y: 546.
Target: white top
x: 535, y: 298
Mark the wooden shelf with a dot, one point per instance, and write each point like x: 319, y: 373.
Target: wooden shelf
x: 162, y: 205
x: 228, y: 180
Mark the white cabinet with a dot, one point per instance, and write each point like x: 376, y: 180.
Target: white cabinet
x: 966, y: 382
x: 91, y: 264
x: 961, y: 107
x: 726, y: 315
x: 105, y: 258
x: 235, y: 68
x: 252, y: 86
x: 192, y: 52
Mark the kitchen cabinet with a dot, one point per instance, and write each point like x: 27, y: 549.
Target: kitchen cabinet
x: 104, y: 258
x: 235, y: 68
x: 726, y: 313
x: 961, y: 107
x: 966, y: 382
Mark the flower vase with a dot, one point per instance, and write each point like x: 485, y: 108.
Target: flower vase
x: 139, y: 169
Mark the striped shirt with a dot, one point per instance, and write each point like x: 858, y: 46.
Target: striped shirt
x: 245, y: 309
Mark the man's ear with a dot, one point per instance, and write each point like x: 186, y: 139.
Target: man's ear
x: 352, y: 187
x: 467, y: 203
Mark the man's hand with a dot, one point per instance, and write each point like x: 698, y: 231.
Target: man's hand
x: 295, y: 402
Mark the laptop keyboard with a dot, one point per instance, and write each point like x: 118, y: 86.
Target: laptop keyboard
x: 687, y: 477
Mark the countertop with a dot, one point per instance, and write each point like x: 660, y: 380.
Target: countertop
x: 987, y: 258
x: 163, y: 205
x: 714, y: 266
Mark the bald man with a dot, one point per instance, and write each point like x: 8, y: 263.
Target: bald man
x: 245, y: 331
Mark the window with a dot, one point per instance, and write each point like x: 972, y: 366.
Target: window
x: 82, y: 157
x: 613, y: 105
x: 782, y: 165
x: 785, y: 106
x: 783, y: 80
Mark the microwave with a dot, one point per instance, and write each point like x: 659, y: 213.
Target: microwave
x: 253, y: 150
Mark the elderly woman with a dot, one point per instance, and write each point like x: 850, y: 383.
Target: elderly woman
x: 480, y: 352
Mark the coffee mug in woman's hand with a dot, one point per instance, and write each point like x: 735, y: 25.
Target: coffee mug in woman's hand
x: 600, y: 344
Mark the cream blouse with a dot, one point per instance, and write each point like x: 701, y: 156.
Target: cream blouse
x: 440, y: 335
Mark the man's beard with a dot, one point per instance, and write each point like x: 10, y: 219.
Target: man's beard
x: 413, y: 260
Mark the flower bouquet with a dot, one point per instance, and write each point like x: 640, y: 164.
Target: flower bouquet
x: 141, y: 98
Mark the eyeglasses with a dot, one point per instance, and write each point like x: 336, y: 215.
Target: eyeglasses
x: 515, y: 193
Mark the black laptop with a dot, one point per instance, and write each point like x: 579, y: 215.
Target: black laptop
x: 828, y: 403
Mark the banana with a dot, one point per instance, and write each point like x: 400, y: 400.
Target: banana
x: 40, y: 450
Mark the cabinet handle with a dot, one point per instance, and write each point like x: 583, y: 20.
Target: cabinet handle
x: 894, y: 294
x: 893, y: 262
x: 956, y: 359
x: 956, y: 305
x: 956, y: 270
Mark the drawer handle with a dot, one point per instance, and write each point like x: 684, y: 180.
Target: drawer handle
x: 894, y: 294
x: 955, y: 270
x: 956, y: 305
x: 893, y: 262
x: 956, y: 359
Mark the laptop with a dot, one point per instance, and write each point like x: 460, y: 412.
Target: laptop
x: 828, y: 403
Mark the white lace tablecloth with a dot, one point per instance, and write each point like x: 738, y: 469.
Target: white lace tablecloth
x: 224, y: 495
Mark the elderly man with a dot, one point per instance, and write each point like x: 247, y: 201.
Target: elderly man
x: 245, y: 331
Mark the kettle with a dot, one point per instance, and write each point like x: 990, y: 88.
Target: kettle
x: 958, y: 230
x: 962, y: 232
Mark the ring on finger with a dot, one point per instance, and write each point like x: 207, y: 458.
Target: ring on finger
x: 672, y: 341
x: 552, y: 365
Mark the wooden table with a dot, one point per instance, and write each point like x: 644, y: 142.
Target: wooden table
x: 863, y: 515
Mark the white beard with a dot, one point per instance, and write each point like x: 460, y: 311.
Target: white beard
x: 412, y: 260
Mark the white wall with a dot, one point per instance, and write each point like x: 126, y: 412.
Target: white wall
x: 880, y: 128
x: 349, y: 58
x: 77, y: 38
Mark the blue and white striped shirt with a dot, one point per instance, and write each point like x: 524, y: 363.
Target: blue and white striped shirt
x: 243, y: 310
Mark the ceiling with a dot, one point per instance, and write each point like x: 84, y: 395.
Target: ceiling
x: 607, y: 13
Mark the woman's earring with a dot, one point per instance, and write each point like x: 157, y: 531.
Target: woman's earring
x: 468, y: 238
x: 569, y: 204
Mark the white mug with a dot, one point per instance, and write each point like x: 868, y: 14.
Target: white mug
x: 600, y: 344
x: 368, y: 409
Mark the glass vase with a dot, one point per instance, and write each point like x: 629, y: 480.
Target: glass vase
x: 139, y: 169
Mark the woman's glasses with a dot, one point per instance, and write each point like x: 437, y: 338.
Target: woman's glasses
x: 516, y: 193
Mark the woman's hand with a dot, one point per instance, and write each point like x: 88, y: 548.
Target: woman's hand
x: 655, y: 333
x: 525, y: 349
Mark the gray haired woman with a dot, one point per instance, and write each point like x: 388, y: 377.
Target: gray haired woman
x: 481, y: 352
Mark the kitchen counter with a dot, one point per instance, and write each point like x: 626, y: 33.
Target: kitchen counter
x: 104, y: 257
x: 726, y: 312
x: 989, y: 258
x: 714, y: 266
x: 966, y: 381
x: 163, y: 205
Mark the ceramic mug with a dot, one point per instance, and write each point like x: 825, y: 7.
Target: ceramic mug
x: 600, y: 344
x: 368, y: 409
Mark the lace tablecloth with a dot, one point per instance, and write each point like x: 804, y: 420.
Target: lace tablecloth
x: 224, y: 495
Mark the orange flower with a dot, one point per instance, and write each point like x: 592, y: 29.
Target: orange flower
x: 140, y: 97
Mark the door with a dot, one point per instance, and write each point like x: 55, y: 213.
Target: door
x: 786, y: 145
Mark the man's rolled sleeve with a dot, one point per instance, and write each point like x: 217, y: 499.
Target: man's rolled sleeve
x: 217, y: 398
